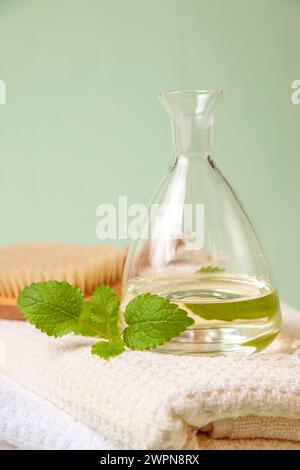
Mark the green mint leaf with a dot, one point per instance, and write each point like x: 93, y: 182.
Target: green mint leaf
x: 106, y: 350
x: 210, y: 269
x: 57, y: 308
x: 153, y: 320
x: 87, y: 327
x: 104, y: 308
x: 53, y: 307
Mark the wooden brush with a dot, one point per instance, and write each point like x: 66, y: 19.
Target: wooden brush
x: 85, y: 266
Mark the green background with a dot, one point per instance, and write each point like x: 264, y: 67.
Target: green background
x: 82, y: 123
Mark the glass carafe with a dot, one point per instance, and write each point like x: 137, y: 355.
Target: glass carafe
x: 198, y: 248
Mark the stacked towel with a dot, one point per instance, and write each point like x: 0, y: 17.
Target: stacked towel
x: 29, y: 422
x: 155, y: 401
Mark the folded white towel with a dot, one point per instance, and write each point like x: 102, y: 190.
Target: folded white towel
x: 146, y: 400
x: 29, y: 422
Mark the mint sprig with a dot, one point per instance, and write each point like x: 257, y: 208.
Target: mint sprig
x: 58, y: 308
x: 211, y: 269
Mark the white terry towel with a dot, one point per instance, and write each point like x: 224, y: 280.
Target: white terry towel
x: 29, y: 422
x: 151, y: 401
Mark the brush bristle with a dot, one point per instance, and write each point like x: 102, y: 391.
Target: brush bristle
x: 85, y: 266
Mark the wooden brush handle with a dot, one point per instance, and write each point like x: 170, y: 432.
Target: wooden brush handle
x: 10, y: 312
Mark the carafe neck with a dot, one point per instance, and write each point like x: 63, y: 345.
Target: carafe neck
x: 191, y: 117
x: 192, y: 135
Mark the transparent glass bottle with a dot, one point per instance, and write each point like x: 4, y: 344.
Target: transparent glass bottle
x: 198, y: 248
